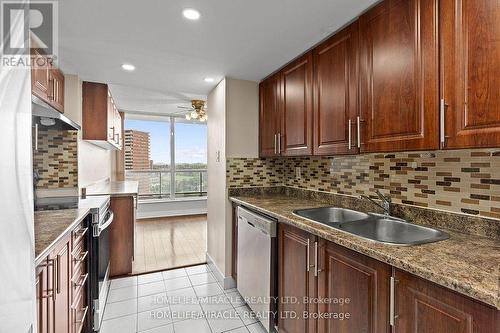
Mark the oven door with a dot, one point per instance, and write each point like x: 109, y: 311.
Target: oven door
x: 101, y: 268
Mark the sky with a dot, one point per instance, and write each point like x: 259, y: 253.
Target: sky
x: 190, y: 140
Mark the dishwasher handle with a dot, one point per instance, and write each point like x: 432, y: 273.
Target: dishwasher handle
x: 266, y: 226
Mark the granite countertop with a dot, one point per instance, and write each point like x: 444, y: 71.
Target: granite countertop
x: 465, y: 263
x: 114, y: 188
x: 52, y: 225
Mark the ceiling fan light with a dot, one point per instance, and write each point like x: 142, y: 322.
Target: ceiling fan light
x: 194, y: 115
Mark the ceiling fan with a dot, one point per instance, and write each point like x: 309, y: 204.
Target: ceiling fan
x: 197, y: 109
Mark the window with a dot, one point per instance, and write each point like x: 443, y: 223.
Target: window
x: 190, y: 158
x: 167, y: 156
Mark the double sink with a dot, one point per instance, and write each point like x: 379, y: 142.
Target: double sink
x: 377, y: 227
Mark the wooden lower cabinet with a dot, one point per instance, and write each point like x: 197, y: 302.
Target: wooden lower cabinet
x: 422, y: 306
x: 62, y: 276
x: 296, y: 279
x: 61, y: 285
x: 356, y: 290
x: 43, y: 298
x: 353, y: 294
x: 121, y: 235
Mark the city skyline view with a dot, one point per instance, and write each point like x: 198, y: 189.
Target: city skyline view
x: 190, y: 140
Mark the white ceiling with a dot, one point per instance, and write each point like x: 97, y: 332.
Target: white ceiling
x: 243, y: 39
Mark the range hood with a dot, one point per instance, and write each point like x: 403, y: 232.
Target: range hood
x: 43, y: 112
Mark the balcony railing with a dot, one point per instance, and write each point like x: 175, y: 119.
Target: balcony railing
x: 157, y: 184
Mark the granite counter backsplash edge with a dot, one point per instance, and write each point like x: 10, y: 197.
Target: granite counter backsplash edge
x: 473, y: 225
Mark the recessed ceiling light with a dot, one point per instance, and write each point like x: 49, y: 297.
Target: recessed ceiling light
x: 209, y: 79
x: 128, y: 67
x: 191, y: 14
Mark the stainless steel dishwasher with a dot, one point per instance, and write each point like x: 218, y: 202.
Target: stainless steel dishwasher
x: 256, y: 275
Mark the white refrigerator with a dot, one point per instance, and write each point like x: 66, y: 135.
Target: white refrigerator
x: 17, y: 271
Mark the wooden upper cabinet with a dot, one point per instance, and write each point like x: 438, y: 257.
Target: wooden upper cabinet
x: 101, y: 121
x: 47, y: 81
x: 336, y: 94
x: 295, y: 279
x: 295, y: 137
x: 361, y: 283
x: 40, y: 75
x: 269, y: 116
x: 56, y: 80
x: 470, y: 50
x: 422, y: 306
x: 399, y: 76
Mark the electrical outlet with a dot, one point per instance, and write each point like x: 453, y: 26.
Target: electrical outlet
x: 298, y: 172
x: 217, y: 156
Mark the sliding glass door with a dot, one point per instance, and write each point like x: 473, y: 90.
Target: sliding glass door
x: 168, y: 156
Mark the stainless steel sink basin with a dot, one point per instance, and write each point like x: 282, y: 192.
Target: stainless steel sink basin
x: 376, y: 227
x: 331, y: 215
x: 393, y: 231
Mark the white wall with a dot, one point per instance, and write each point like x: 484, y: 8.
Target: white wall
x: 233, y: 115
x: 180, y: 207
x: 216, y: 163
x: 242, y: 118
x: 94, y: 163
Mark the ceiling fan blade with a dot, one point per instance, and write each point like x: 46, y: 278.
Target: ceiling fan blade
x: 179, y: 112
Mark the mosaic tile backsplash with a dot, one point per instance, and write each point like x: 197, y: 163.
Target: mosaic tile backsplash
x: 465, y: 181
x: 56, y: 159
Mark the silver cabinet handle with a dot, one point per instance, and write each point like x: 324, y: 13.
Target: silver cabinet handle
x: 279, y: 143
x: 55, y: 277
x: 442, y: 106
x: 316, y: 269
x: 307, y: 255
x: 350, y: 134
x: 358, y: 128
x: 392, y: 305
x: 80, y: 281
x: 275, y: 135
x: 82, y: 256
x: 36, y: 137
x: 50, y: 293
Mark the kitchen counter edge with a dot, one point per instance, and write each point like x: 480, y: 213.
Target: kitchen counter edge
x: 363, y: 246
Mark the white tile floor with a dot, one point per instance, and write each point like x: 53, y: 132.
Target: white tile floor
x: 176, y: 301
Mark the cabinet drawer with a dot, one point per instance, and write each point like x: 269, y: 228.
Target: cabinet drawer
x: 79, y: 310
x: 79, y: 279
x: 78, y: 234
x: 79, y: 255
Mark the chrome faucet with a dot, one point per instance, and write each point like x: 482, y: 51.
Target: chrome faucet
x: 386, y: 202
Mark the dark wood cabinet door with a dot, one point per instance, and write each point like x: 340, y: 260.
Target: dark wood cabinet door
x: 361, y: 283
x: 40, y: 75
x: 269, y: 116
x: 121, y: 235
x: 62, y: 300
x: 399, y: 87
x: 295, y: 137
x: 470, y: 50
x: 336, y: 93
x: 422, y: 307
x: 43, y: 298
x: 56, y: 79
x: 295, y: 279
